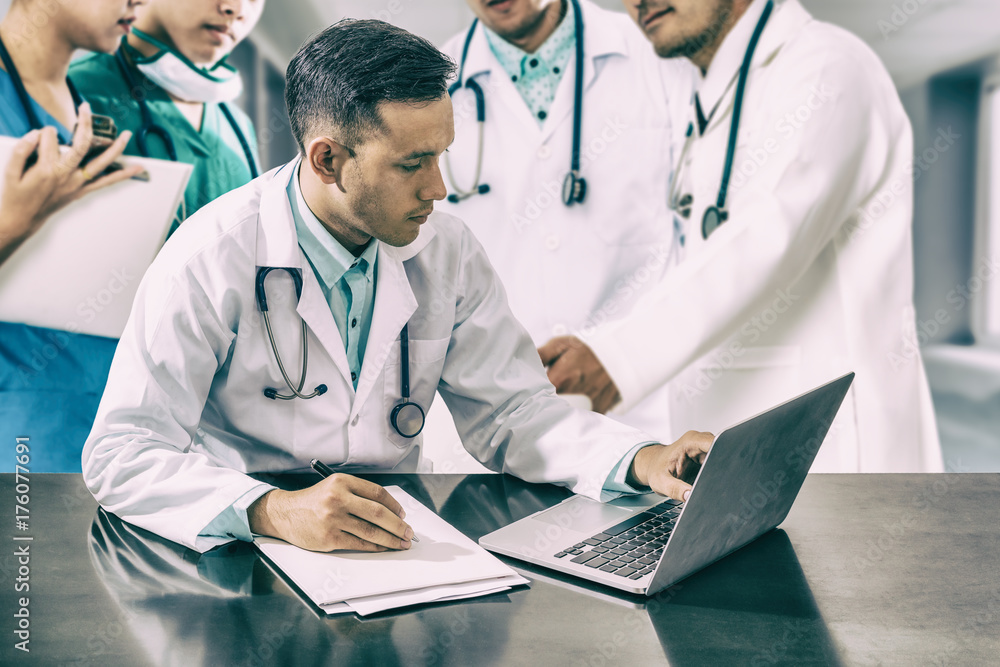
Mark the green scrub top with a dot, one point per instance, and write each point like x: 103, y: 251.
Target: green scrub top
x: 219, y: 162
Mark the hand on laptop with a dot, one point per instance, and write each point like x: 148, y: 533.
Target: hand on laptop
x: 669, y: 469
x: 340, y: 512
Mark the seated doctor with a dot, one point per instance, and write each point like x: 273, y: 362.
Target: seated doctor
x: 314, y: 312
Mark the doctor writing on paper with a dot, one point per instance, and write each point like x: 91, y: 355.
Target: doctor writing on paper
x: 392, y: 301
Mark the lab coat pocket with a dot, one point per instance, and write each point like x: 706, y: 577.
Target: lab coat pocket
x: 426, y: 361
x: 727, y: 387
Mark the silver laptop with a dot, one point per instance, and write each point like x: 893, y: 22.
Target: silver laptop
x: 642, y: 544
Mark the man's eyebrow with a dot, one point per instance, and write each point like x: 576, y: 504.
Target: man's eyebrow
x: 416, y: 155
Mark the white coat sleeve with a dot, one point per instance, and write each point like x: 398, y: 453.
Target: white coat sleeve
x: 800, y: 197
x: 136, y: 461
x: 504, y: 407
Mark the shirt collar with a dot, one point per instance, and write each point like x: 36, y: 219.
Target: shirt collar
x: 728, y: 59
x: 330, y: 260
x: 512, y: 58
x: 597, y: 43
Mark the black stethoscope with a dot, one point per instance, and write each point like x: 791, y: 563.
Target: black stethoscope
x: 22, y: 94
x: 574, y: 186
x: 717, y: 214
x: 150, y: 127
x: 407, y: 418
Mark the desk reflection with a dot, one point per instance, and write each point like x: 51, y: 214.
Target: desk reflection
x: 226, y: 607
x: 757, y: 596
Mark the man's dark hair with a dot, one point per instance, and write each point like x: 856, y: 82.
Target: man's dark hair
x: 338, y: 78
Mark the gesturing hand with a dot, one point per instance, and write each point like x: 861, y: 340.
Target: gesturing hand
x: 340, y: 512
x: 575, y: 369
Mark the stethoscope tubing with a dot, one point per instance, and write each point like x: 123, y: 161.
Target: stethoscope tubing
x: 260, y: 296
x: 574, y: 187
x: 718, y: 213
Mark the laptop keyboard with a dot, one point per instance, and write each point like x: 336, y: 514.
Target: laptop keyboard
x: 629, y: 549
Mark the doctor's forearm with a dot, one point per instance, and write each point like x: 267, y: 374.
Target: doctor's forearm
x: 259, y: 516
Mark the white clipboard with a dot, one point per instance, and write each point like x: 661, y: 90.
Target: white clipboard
x: 80, y: 271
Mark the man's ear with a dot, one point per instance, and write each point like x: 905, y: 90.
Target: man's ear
x: 327, y: 159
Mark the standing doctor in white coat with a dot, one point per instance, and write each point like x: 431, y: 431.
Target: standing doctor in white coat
x: 567, y: 267
x: 811, y: 275
x: 343, y: 251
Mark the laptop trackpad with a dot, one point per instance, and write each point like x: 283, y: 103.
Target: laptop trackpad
x: 583, y: 515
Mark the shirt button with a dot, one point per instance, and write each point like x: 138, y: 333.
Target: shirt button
x: 559, y: 330
x: 542, y: 114
x: 514, y: 78
x: 354, y: 422
x: 552, y: 242
x: 354, y: 322
x: 533, y: 62
x: 555, y: 70
x: 544, y: 151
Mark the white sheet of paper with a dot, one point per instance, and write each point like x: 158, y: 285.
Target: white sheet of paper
x: 346, y: 608
x: 376, y: 603
x: 79, y: 272
x: 442, y: 556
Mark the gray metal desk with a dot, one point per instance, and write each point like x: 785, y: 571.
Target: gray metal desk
x: 867, y: 569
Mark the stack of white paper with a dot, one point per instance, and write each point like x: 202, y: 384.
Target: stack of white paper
x: 443, y: 565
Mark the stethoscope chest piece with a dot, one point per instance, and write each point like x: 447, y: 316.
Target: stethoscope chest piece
x: 574, y: 188
x: 407, y: 419
x: 713, y: 219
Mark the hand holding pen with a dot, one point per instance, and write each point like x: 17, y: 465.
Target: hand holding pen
x: 341, y: 512
x: 326, y: 471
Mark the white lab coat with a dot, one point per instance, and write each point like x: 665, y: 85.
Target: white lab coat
x: 566, y: 268
x: 184, y: 418
x: 812, y: 276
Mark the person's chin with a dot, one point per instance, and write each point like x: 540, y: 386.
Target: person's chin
x: 106, y: 44
x: 206, y: 55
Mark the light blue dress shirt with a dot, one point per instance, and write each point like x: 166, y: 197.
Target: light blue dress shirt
x: 536, y: 75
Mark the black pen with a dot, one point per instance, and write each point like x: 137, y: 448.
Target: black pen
x: 325, y: 471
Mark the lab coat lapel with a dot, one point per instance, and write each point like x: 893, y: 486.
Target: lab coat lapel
x: 278, y: 245
x: 315, y: 312
x: 597, y: 44
x: 394, y: 304
x: 787, y: 18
